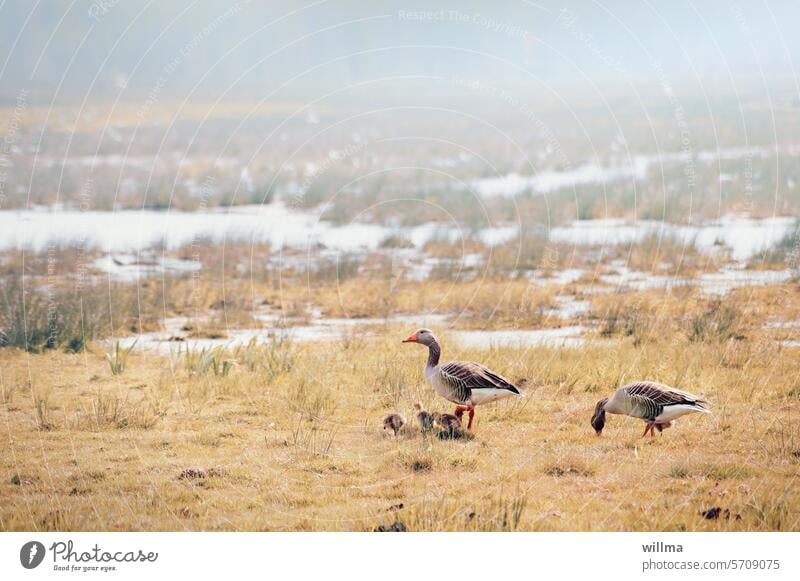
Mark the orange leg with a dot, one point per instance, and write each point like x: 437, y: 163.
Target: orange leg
x: 471, y: 415
x: 647, y: 428
x: 460, y: 409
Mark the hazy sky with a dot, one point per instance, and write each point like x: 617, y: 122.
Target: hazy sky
x: 107, y: 47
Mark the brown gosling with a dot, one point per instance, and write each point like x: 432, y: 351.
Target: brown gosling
x: 448, y: 422
x: 394, y: 422
x: 424, y: 418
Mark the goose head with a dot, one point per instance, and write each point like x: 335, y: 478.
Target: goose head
x: 422, y: 336
x: 599, y: 416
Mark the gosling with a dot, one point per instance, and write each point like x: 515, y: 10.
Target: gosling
x: 394, y: 422
x: 424, y: 418
x: 448, y: 422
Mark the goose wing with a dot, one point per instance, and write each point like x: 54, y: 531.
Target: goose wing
x: 660, y: 394
x: 649, y: 400
x: 468, y: 375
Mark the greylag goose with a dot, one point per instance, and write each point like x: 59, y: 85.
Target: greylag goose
x: 394, y: 422
x: 448, y: 422
x: 465, y: 383
x: 655, y: 403
x: 424, y: 418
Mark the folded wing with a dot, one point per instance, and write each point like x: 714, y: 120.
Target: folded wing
x: 468, y: 375
x: 661, y: 395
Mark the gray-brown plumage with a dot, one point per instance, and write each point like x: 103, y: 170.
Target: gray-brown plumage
x: 394, y: 422
x: 465, y: 383
x: 424, y: 418
x: 448, y: 422
x: 658, y: 405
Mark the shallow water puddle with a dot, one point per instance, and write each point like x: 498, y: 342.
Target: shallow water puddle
x: 174, y: 338
x: 487, y: 339
x: 714, y: 283
x: 746, y: 237
x: 130, y: 268
x: 568, y: 308
x: 276, y: 224
x: 633, y: 167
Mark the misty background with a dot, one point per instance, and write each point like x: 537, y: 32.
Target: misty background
x: 191, y: 161
x: 68, y: 50
x: 497, y: 111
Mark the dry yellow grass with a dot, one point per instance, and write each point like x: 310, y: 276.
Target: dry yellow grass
x: 98, y: 115
x: 482, y: 303
x: 291, y: 439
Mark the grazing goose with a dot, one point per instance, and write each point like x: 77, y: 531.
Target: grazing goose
x: 465, y: 383
x: 424, y: 418
x: 655, y: 403
x: 394, y: 422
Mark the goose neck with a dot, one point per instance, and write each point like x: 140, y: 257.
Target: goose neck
x: 434, y: 351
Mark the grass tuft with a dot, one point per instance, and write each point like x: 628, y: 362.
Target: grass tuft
x: 118, y: 357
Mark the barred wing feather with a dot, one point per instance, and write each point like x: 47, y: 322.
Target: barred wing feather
x: 660, y: 395
x: 469, y: 375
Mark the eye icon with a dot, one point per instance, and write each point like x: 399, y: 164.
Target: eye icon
x: 31, y: 554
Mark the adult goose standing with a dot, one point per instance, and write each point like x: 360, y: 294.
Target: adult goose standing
x: 464, y: 383
x: 655, y: 403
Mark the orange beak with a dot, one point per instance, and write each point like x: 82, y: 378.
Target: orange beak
x: 412, y: 338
